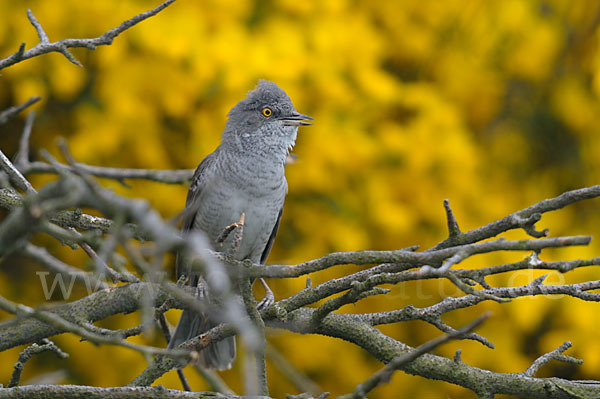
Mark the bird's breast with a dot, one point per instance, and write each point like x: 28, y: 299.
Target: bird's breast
x: 224, y: 205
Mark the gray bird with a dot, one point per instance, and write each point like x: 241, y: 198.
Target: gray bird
x: 242, y: 181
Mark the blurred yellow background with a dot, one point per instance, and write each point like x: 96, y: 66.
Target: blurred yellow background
x: 493, y: 105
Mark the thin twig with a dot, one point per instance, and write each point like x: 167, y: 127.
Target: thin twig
x: 453, y: 229
x: 359, y: 290
x: 469, y: 290
x: 302, y: 382
x: 22, y: 157
x: 176, y: 176
x: 14, y: 175
x: 164, y: 327
x: 126, y: 333
x: 556, y: 354
x: 55, y: 265
x: 28, y: 353
x: 103, y: 266
x: 12, y: 111
x: 38, y: 27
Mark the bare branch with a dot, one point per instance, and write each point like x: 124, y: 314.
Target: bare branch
x: 122, y: 334
x: 482, y: 382
x: 164, y: 326
x: 516, y: 220
x: 469, y: 290
x: 343, y: 326
x: 401, y: 259
x: 62, y: 46
x: 177, y: 176
x: 97, y: 306
x: 61, y: 323
x: 385, y: 374
x: 10, y: 200
x: 214, y: 380
x: 389, y: 273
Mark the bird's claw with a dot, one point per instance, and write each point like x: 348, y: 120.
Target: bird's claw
x: 239, y: 232
x: 268, y: 299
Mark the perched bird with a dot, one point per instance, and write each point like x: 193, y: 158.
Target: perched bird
x: 241, y: 182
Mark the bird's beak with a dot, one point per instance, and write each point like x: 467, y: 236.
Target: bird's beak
x: 297, y: 119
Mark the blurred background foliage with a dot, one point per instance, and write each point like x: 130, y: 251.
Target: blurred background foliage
x: 493, y: 105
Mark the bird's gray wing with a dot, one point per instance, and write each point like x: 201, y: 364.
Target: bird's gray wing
x: 218, y: 355
x: 201, y: 178
x: 265, y: 254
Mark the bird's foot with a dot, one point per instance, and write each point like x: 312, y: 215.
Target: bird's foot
x: 239, y: 232
x: 268, y: 299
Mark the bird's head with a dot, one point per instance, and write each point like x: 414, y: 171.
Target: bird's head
x: 266, y: 112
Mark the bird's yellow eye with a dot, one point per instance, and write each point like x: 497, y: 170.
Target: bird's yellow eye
x: 267, y: 111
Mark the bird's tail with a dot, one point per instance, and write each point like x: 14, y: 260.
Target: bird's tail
x: 218, y: 355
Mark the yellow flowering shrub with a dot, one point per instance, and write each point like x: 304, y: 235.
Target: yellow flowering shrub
x: 493, y: 105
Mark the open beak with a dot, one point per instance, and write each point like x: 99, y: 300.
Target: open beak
x: 297, y: 119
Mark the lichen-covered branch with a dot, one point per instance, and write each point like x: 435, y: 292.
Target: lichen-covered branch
x: 556, y: 354
x: 384, y: 375
x: 33, y: 325
x: 34, y: 349
x: 482, y: 382
x: 79, y: 391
